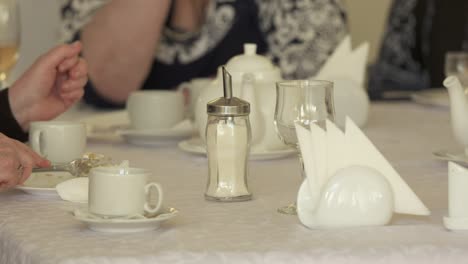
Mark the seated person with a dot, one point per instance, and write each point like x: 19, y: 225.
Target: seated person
x: 47, y: 89
x: 418, y: 34
x: 133, y: 45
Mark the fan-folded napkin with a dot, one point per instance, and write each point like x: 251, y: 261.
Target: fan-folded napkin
x: 347, y: 69
x: 326, y: 152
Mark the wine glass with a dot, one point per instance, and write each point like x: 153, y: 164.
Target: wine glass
x: 9, y: 37
x: 301, y: 102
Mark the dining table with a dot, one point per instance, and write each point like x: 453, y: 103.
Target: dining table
x: 38, y: 229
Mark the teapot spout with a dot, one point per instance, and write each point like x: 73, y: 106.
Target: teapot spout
x: 458, y: 109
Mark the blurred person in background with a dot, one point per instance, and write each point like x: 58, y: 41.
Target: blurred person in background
x: 48, y: 88
x: 418, y: 35
x: 146, y: 44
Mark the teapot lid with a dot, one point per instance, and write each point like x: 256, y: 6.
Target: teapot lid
x: 250, y: 61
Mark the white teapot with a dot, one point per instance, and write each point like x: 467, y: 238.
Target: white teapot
x: 253, y: 80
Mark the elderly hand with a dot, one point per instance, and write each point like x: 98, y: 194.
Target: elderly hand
x: 50, y: 86
x: 16, y: 162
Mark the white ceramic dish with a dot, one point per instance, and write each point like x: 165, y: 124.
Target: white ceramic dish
x: 432, y: 97
x: 304, y: 203
x: 119, y: 225
x: 155, y: 137
x: 196, y: 146
x: 115, y: 126
x: 43, y: 183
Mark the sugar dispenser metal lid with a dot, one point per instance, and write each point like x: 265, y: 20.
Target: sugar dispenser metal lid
x: 228, y: 105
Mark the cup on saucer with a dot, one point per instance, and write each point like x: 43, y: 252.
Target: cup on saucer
x: 191, y: 91
x: 121, y: 192
x: 58, y: 141
x: 155, y: 109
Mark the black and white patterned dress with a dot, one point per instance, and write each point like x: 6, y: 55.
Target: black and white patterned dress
x: 297, y: 35
x: 418, y: 34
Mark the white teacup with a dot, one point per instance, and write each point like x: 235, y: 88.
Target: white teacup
x: 192, y: 90
x: 155, y: 109
x: 58, y: 141
x: 120, y: 191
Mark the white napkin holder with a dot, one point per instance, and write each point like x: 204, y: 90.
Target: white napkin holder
x: 348, y: 181
x: 347, y: 69
x: 457, y: 218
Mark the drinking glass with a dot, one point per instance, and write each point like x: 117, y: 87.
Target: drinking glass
x: 301, y: 102
x: 9, y: 37
x: 456, y: 63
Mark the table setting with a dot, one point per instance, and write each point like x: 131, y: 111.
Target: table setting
x: 206, y: 180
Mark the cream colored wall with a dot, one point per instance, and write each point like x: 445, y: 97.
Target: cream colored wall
x: 39, y: 24
x: 366, y: 20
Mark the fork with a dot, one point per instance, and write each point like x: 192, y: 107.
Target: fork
x: 77, y: 167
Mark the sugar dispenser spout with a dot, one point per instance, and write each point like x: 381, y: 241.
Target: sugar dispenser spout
x: 227, y: 83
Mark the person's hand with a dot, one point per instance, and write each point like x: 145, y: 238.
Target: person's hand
x: 16, y: 162
x: 50, y: 86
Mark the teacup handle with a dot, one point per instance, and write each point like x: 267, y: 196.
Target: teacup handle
x: 36, y: 141
x: 147, y: 207
x: 184, y: 89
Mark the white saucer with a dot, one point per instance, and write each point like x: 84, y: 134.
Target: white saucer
x: 196, y: 146
x: 121, y: 225
x: 456, y: 157
x: 43, y: 183
x: 155, y: 137
x: 432, y: 97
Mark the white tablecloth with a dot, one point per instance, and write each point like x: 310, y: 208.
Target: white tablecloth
x: 40, y: 230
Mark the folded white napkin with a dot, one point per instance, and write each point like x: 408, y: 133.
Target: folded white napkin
x: 326, y: 152
x: 184, y: 125
x: 74, y: 190
x: 107, y: 122
x: 347, y: 69
x: 346, y: 63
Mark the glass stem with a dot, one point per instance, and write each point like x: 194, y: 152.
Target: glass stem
x: 301, y: 161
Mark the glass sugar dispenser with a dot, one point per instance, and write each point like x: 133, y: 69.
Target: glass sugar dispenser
x: 228, y: 136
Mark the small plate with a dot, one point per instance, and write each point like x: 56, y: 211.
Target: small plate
x: 43, y: 183
x: 120, y: 225
x: 196, y: 146
x: 456, y: 157
x: 155, y: 137
x: 432, y: 97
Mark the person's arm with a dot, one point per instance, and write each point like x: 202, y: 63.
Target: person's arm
x: 50, y: 86
x: 16, y: 162
x: 119, y: 45
x: 8, y: 124
x: 188, y: 16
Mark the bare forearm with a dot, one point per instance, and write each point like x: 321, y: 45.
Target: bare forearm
x: 119, y: 45
x: 188, y: 15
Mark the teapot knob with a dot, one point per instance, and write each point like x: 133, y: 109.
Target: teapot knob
x: 250, y: 49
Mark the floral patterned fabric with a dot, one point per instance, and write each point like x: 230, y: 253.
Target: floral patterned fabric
x: 298, y: 35
x: 418, y: 34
